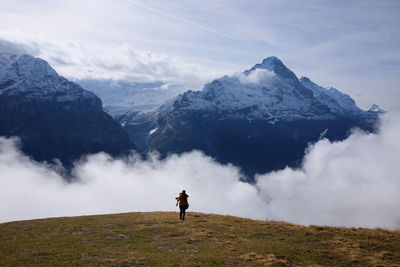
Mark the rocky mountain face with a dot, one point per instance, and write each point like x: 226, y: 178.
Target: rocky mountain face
x: 53, y: 117
x: 261, y: 119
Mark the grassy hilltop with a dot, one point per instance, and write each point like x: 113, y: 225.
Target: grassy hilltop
x: 160, y: 239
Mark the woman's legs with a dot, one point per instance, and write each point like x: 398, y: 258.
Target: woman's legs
x: 182, y: 213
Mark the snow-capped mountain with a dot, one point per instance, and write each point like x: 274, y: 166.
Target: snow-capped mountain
x: 261, y: 119
x: 268, y: 91
x: 53, y: 117
x: 33, y: 78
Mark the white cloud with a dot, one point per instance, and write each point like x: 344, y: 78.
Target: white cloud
x: 15, y: 48
x: 77, y: 60
x: 258, y: 77
x: 349, y: 183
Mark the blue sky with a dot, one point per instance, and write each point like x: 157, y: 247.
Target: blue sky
x: 350, y: 45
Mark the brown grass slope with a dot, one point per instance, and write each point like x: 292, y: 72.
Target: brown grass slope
x: 160, y: 239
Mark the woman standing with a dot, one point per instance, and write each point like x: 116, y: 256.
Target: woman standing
x: 182, y: 200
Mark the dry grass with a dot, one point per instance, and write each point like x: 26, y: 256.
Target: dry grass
x: 160, y: 239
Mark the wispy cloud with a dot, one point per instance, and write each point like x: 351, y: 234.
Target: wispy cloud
x: 176, y: 18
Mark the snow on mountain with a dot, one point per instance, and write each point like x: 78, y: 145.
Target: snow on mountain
x: 34, y: 78
x: 268, y: 90
x: 24, y: 66
x: 375, y: 108
x: 275, y: 65
x: 121, y: 97
x: 337, y: 101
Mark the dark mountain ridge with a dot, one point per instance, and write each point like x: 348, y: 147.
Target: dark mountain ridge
x: 53, y: 117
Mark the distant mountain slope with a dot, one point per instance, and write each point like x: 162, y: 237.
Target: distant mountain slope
x: 159, y: 239
x: 53, y: 117
x: 123, y: 97
x: 337, y: 101
x: 261, y: 119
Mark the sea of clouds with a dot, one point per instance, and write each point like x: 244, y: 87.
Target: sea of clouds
x: 355, y: 182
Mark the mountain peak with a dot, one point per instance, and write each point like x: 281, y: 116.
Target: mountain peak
x: 29, y: 65
x: 34, y: 78
x: 305, y: 79
x: 270, y: 63
x: 25, y: 66
x: 375, y: 108
x: 272, y: 60
x: 275, y: 65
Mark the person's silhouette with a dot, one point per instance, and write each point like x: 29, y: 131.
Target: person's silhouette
x: 182, y: 201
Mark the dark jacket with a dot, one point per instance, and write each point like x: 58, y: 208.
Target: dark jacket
x: 182, y: 199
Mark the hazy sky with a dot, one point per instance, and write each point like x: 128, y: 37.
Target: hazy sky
x: 351, y: 45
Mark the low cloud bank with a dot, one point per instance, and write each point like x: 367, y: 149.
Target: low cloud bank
x: 350, y: 183
x: 107, y: 185
x: 355, y: 182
